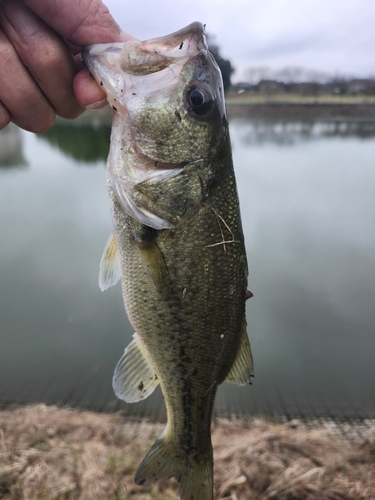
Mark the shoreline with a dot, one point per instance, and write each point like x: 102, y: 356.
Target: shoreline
x: 58, y: 453
x: 305, y: 111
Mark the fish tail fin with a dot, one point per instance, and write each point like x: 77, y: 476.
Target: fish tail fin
x: 197, y: 481
x: 195, y: 474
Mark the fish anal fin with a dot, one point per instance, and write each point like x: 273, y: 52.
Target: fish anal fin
x: 155, y: 266
x: 110, y: 269
x: 134, y: 379
x: 242, y: 371
x: 195, y: 474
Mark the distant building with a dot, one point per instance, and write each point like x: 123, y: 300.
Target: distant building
x: 242, y: 86
x: 340, y: 86
x: 361, y: 86
x: 306, y: 88
x: 270, y: 87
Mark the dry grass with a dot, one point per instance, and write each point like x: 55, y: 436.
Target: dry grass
x: 48, y: 453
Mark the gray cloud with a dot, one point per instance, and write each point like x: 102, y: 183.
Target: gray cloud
x: 327, y: 35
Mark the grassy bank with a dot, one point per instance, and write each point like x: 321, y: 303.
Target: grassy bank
x: 324, y: 107
x: 251, y: 98
x: 48, y: 453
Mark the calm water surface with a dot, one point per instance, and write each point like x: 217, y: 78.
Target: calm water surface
x: 308, y: 208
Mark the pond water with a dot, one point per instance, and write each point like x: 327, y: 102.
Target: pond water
x: 308, y: 209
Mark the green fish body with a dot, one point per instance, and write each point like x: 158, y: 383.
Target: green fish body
x: 177, y: 243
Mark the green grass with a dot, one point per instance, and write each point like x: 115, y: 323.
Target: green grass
x: 247, y: 98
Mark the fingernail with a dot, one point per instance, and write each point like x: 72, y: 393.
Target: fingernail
x: 98, y: 104
x: 22, y: 19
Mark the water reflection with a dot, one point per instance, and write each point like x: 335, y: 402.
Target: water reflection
x: 89, y: 142
x: 84, y: 143
x: 308, y: 213
x: 287, y: 132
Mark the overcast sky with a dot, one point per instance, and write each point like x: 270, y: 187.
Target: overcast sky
x: 334, y: 36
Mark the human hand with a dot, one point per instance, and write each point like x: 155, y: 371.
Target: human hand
x: 40, y: 45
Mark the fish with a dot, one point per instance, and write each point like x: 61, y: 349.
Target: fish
x: 177, y: 243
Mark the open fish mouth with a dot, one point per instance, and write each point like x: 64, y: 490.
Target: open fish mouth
x: 120, y: 69
x: 150, y: 56
x: 168, y: 88
x: 114, y: 64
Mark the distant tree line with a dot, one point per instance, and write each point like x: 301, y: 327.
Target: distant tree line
x: 355, y: 86
x: 303, y: 81
x: 292, y: 79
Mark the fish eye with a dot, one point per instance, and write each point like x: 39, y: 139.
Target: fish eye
x: 200, y: 100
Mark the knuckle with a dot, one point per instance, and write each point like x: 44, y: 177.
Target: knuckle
x: 51, y: 57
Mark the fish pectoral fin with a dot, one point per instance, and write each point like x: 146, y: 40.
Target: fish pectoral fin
x: 110, y: 270
x: 166, y: 459
x: 155, y: 266
x: 242, y: 371
x: 134, y: 379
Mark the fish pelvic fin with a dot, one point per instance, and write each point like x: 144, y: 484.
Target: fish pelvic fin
x: 134, y: 379
x: 242, y: 370
x: 194, y: 473
x: 110, y: 270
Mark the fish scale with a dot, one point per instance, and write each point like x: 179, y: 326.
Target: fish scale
x: 177, y: 244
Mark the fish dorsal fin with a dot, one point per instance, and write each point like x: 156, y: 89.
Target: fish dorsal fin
x: 110, y: 270
x: 134, y: 379
x: 242, y: 372
x: 156, y: 266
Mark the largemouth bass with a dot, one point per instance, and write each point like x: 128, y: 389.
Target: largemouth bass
x: 177, y: 242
